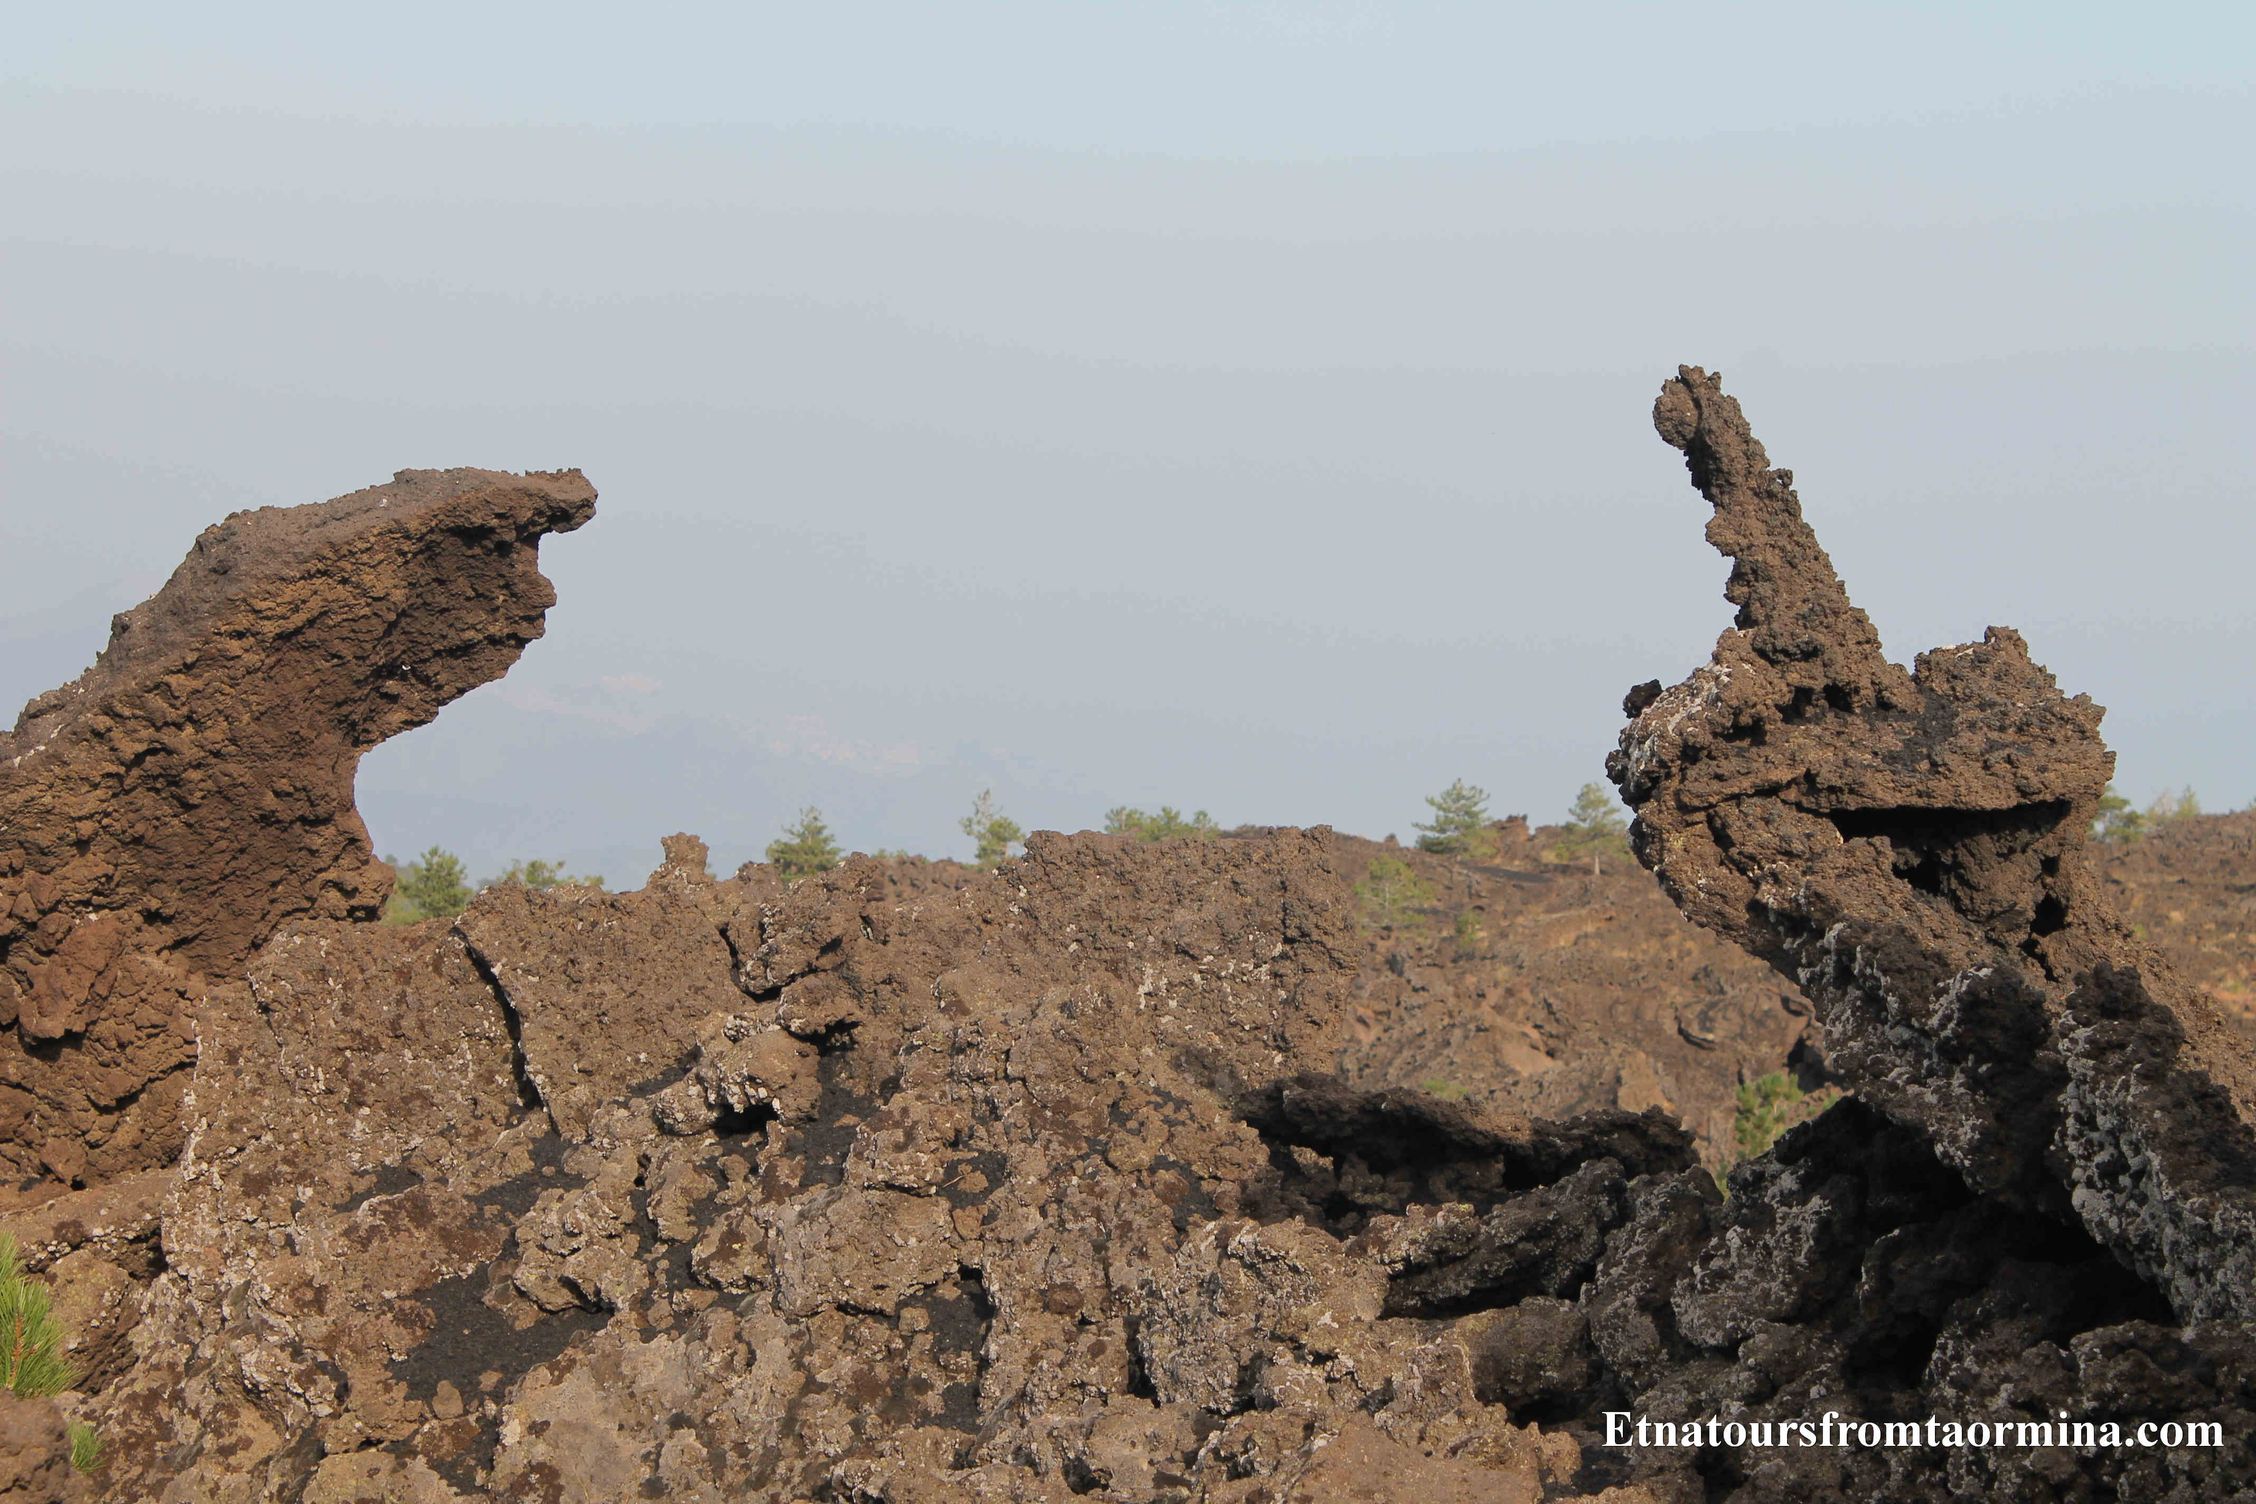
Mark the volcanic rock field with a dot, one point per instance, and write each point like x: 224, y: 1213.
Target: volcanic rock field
x: 1128, y: 1171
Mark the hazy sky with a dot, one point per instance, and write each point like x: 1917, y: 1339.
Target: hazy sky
x: 1233, y: 406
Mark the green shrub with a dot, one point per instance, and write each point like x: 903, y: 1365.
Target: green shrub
x: 1768, y: 1106
x: 1393, y: 894
x: 32, y: 1362
x: 537, y: 874
x: 1763, y: 1103
x: 1595, y: 828
x: 805, y: 848
x: 433, y: 886
x: 436, y: 885
x: 992, y: 833
x: 1447, y: 1090
x: 2167, y: 807
x: 2117, y: 823
x: 1167, y: 825
x: 1460, y: 826
x: 1468, y: 933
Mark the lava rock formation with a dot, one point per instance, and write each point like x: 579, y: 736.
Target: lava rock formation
x: 165, y: 813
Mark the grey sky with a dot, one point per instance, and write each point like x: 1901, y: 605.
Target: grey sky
x: 1240, y: 407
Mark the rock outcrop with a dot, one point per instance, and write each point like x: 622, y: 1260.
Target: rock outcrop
x: 164, y: 814
x: 1913, y: 849
x: 2043, y: 1200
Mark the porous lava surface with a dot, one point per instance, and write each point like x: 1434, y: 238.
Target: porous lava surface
x: 2044, y: 1196
x: 162, y: 815
x: 715, y: 1190
x: 1078, y: 1179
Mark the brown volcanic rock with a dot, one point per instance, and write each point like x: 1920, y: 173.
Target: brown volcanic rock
x: 1914, y: 849
x: 607, y: 989
x: 1009, y: 1186
x: 1547, y: 988
x: 35, y: 1454
x: 2188, y: 888
x: 1028, y: 1202
x: 164, y: 813
x: 2048, y: 1163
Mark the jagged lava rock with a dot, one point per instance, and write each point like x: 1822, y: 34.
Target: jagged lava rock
x: 1914, y: 850
x: 2040, y: 1199
x: 164, y: 813
x: 879, y: 1188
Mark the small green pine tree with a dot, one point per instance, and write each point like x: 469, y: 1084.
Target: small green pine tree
x: 433, y: 886
x: 85, y: 1447
x: 32, y: 1363
x: 2116, y: 822
x: 1167, y: 825
x: 992, y: 833
x: 1460, y: 826
x: 1763, y: 1104
x: 805, y: 848
x: 1767, y: 1107
x: 31, y: 1340
x: 1468, y: 933
x: 1594, y: 827
x: 2167, y: 807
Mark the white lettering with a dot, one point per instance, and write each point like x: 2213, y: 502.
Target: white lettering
x: 1625, y: 1428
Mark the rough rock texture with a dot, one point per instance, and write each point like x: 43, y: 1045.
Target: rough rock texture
x: 2188, y: 888
x: 1542, y: 986
x: 164, y: 813
x: 864, y: 1190
x: 1014, y: 1189
x: 35, y: 1454
x: 2034, y: 1085
x: 1912, y: 848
